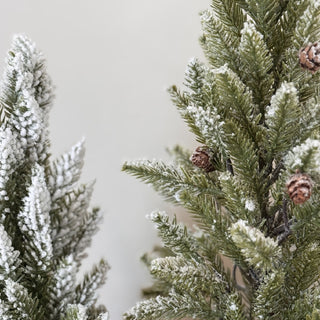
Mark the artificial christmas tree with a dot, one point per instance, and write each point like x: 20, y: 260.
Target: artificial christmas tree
x: 45, y: 220
x: 255, y: 106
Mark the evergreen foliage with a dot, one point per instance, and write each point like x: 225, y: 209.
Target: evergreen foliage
x: 258, y: 111
x: 45, y: 220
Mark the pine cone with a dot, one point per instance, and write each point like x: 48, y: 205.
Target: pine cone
x: 299, y: 188
x: 202, y: 158
x: 309, y: 57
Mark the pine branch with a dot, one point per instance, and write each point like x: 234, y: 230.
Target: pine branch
x: 21, y: 304
x: 246, y: 166
x: 175, y: 306
x: 9, y: 258
x: 217, y: 42
x: 27, y: 90
x: 80, y: 236
x: 261, y: 252
x: 215, y: 239
x: 198, y: 280
x: 34, y: 223
x: 85, y: 291
x: 238, y: 203
x: 204, y: 121
x: 195, y: 81
x: 302, y: 270
x: 67, y: 212
x: 12, y: 154
x: 65, y: 172
x: 62, y: 286
x: 265, y: 14
x: 5, y: 112
x: 256, y: 63
x: 176, y: 237
x: 272, y: 300
x: 24, y: 62
x: 230, y: 13
x: 283, y: 119
x: 308, y: 25
x: 236, y: 104
x: 288, y: 21
x: 169, y: 181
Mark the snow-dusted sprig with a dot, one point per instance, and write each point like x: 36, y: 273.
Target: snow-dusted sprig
x: 30, y: 122
x: 175, y: 236
x: 26, y: 70
x: 85, y: 292
x: 239, y: 204
x: 232, y: 16
x: 304, y: 156
x: 22, y: 305
x: 81, y: 236
x: 188, y: 275
x: 34, y: 222
x: 27, y: 90
x: 283, y: 119
x: 194, y: 80
x: 308, y: 26
x: 261, y: 252
x: 272, y: 299
x: 220, y: 37
x: 173, y: 306
x: 207, y: 123
x: 67, y: 214
x: 9, y: 261
x: 11, y: 158
x: 75, y: 312
x: 256, y: 63
x: 170, y: 181
x: 65, y: 172
x: 63, y: 285
x: 236, y: 100
x: 203, y: 120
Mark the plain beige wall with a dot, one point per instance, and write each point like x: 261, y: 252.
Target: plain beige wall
x: 111, y: 62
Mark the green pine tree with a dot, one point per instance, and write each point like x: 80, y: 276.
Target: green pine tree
x: 254, y: 108
x: 45, y: 220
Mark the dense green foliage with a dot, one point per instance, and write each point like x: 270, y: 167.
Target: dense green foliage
x: 258, y: 111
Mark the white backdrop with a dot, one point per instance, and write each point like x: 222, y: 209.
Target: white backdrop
x: 111, y: 62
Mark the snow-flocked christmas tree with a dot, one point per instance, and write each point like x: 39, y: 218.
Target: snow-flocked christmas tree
x: 253, y: 183
x: 45, y: 220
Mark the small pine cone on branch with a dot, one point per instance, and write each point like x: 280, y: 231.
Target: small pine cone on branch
x: 299, y: 188
x: 309, y: 57
x: 202, y: 158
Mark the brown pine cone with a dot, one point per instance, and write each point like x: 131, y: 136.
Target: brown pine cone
x: 202, y: 158
x: 299, y: 188
x: 309, y: 57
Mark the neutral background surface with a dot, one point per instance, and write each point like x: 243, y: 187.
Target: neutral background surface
x: 111, y: 62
